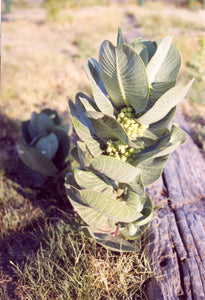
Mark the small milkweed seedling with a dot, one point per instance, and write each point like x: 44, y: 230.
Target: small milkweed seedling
x: 43, y: 148
x: 124, y: 137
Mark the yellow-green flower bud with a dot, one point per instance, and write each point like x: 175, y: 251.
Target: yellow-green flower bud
x: 123, y: 158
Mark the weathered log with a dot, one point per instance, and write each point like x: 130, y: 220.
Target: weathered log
x: 177, y: 233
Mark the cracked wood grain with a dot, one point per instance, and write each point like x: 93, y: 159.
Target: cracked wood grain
x: 178, y: 231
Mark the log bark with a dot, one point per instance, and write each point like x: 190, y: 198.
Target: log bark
x: 177, y: 232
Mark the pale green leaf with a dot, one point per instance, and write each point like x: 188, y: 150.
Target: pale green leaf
x: 151, y: 46
x: 134, y: 229
x: 53, y: 115
x: 165, y: 63
x: 74, y: 154
x: 147, y: 212
x: 84, y: 154
x: 30, y: 177
x: 39, y: 123
x: 89, y: 215
x: 92, y: 181
x: 135, y: 200
x: 107, y: 127
x: 113, y: 243
x: 166, y: 144
x: 88, y: 103
x: 114, y: 169
x: 34, y: 159
x: 120, y: 39
x: 164, y: 104
x: 109, y: 207
x: 124, y: 76
x: 158, y: 128
x: 48, y: 145
x: 85, y: 134
x: 152, y: 169
x: 163, y: 68
x: 64, y: 146
x: 98, y: 89
x: 140, y: 49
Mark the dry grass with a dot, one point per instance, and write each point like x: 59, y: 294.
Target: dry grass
x: 42, y: 62
x: 68, y: 265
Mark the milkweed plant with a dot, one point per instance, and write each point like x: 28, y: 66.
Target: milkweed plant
x: 124, y: 140
x: 43, y: 148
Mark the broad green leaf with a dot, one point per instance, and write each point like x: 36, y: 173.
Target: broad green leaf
x: 152, y: 169
x: 30, y: 177
x: 124, y: 76
x: 151, y: 47
x: 140, y: 49
x: 63, y: 148
x: 93, y: 181
x: 74, y: 154
x: 164, y: 104
x: 48, y: 145
x: 89, y: 215
x: 158, y: 128
x: 84, y: 132
x: 26, y: 132
x: 135, y: 194
x: 150, y: 134
x: 165, y: 63
x: 133, y: 230
x: 107, y: 127
x: 34, y: 159
x: 166, y: 144
x: 136, y: 186
x: 77, y: 110
x: 93, y: 218
x: 147, y: 212
x: 53, y: 115
x: 84, y: 154
x: 88, y: 103
x: 135, y: 200
x: 40, y: 123
x: 111, y: 208
x: 163, y: 68
x: 120, y: 39
x: 178, y: 135
x: 114, y: 169
x: 98, y: 89
x: 113, y: 243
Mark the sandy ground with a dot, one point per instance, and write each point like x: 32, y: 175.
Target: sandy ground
x: 42, y: 62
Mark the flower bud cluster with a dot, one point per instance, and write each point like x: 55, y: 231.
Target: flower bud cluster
x: 127, y: 119
x: 122, y: 151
